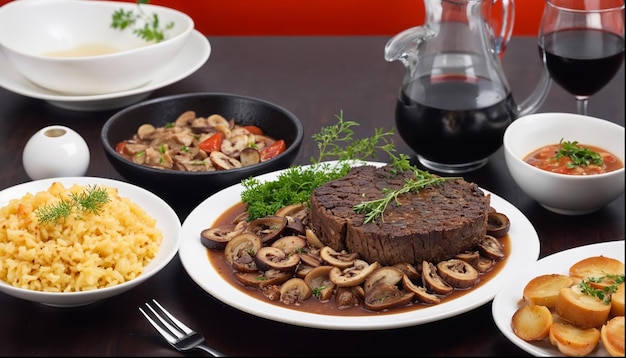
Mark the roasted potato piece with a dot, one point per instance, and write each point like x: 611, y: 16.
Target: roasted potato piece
x: 572, y: 340
x: 617, y: 301
x: 580, y: 308
x: 612, y: 336
x: 596, y: 267
x: 532, y: 322
x: 543, y: 290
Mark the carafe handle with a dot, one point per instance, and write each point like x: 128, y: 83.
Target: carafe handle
x: 501, y: 39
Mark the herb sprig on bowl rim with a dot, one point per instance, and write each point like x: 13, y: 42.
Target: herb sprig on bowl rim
x: 295, y: 184
x: 152, y: 29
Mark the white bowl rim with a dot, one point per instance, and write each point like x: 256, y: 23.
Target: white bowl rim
x: 188, y: 23
x: 531, y: 117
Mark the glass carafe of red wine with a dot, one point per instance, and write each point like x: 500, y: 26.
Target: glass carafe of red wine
x: 455, y: 102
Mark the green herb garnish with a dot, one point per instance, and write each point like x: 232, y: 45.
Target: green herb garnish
x: 605, y: 293
x: 151, y: 31
x: 295, y: 184
x: 375, y: 208
x: 317, y: 291
x: 89, y: 201
x: 580, y: 156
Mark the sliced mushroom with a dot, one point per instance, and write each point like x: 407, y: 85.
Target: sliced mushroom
x: 319, y: 281
x: 471, y: 257
x: 491, y: 247
x: 145, y: 130
x: 303, y: 269
x: 386, y: 274
x: 312, y: 238
x: 385, y: 295
x: 432, y: 281
x: 458, y: 273
x: 295, y: 210
x: 216, y: 237
x: 217, y: 120
x: 272, y: 292
x: 262, y: 280
x: 290, y: 244
x: 346, y: 297
x: 249, y: 156
x: 185, y: 119
x: 269, y: 257
x: 240, y: 246
x: 341, y: 259
x: 309, y: 259
x: 498, y: 224
x: 268, y: 228
x: 295, y: 226
x: 353, y: 275
x: 409, y: 270
x: 485, y: 264
x: 421, y: 293
x: 245, y: 263
x: 295, y: 290
x: 241, y: 218
x: 223, y: 162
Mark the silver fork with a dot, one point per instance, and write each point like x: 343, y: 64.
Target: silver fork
x: 177, y: 334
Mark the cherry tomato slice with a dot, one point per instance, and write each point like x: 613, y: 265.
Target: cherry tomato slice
x: 119, y: 148
x: 273, y: 150
x: 213, y: 143
x: 254, y: 129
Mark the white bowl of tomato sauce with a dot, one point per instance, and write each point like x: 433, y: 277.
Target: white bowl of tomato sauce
x: 570, y: 164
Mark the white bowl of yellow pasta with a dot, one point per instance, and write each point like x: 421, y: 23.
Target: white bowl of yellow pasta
x: 73, y: 241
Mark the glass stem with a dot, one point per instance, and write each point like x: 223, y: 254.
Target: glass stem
x: 581, y: 105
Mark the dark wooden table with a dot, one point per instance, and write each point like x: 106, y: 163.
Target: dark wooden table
x: 315, y: 78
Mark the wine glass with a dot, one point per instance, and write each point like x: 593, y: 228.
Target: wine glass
x: 581, y: 43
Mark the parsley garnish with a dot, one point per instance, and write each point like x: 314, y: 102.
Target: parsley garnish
x: 89, y: 201
x: 605, y: 293
x: 151, y: 31
x: 580, y: 156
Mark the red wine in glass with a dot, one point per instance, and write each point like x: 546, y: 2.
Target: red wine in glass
x: 582, y: 60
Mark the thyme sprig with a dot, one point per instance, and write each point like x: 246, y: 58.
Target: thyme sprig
x: 580, y: 156
x: 604, y: 293
x: 88, y: 201
x: 152, y: 29
x: 376, y: 208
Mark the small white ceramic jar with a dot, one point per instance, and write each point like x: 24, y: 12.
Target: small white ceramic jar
x: 55, y: 151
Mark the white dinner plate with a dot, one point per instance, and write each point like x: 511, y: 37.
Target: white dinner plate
x: 524, y: 251
x: 505, y: 303
x: 193, y: 55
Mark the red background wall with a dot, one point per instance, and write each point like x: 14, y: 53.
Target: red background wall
x: 322, y: 17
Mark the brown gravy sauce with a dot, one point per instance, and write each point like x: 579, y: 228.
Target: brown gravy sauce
x: 313, y: 305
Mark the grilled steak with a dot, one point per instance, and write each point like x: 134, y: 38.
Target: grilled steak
x: 434, y: 224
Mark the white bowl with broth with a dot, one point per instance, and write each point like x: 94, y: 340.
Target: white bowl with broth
x: 564, y: 193
x: 70, y: 47
x: 101, y: 248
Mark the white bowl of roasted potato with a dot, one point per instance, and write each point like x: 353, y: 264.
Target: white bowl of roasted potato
x: 568, y: 304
